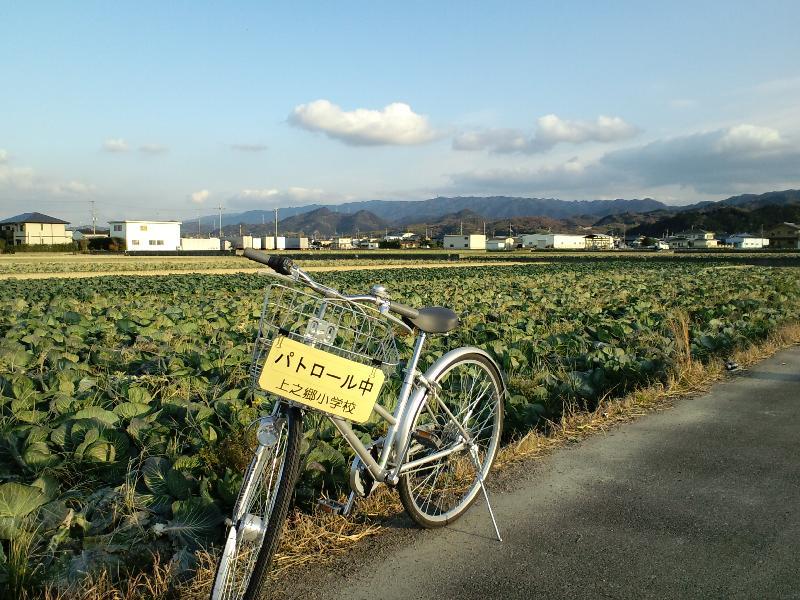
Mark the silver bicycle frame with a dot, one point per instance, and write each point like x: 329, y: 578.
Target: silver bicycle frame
x: 378, y: 468
x: 413, y: 391
x: 411, y: 396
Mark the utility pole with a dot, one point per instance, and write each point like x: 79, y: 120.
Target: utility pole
x: 462, y: 227
x: 220, y: 220
x: 198, y: 223
x: 275, y: 247
x: 94, y: 219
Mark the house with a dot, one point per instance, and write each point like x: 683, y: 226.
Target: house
x: 342, y: 243
x: 785, y: 235
x: 679, y: 242
x: 505, y: 243
x: 473, y: 241
x: 147, y: 236
x: 86, y: 233
x: 557, y: 241
x: 369, y: 243
x: 35, y: 229
x: 696, y: 238
x: 744, y: 241
x: 599, y: 241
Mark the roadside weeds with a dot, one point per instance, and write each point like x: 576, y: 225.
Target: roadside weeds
x: 320, y: 537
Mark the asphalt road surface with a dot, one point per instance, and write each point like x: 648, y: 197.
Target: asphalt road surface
x: 699, y: 501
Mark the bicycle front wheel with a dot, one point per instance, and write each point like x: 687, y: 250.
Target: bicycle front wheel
x: 260, y: 511
x: 438, y: 492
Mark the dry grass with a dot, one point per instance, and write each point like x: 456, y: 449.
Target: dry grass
x: 320, y: 537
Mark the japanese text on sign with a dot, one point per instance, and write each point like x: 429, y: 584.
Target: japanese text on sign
x: 321, y: 380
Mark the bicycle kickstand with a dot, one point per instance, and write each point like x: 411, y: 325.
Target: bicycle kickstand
x: 476, y: 464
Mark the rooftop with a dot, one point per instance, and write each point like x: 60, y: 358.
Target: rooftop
x: 33, y: 217
x: 140, y: 221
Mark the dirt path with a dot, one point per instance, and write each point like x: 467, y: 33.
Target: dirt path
x: 248, y: 269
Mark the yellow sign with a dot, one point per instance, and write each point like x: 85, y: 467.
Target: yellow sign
x: 321, y: 380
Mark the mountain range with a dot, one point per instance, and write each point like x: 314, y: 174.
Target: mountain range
x: 496, y: 214
x: 400, y: 212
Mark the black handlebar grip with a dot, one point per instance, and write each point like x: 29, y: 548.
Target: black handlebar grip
x: 281, y: 264
x: 256, y: 256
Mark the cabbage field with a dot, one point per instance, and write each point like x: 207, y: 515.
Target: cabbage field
x: 124, y: 400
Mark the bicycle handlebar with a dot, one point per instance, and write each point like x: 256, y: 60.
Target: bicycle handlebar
x: 285, y: 266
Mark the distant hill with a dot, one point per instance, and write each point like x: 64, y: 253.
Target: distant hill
x: 472, y: 222
x: 752, y: 201
x: 327, y: 222
x: 741, y: 213
x: 401, y: 212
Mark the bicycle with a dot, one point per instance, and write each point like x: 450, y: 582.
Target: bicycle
x: 322, y: 351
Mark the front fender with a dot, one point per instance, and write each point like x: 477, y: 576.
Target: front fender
x: 418, y: 395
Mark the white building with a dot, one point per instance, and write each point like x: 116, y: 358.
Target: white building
x: 598, y: 241
x: 268, y: 243
x: 694, y: 238
x: 474, y: 241
x: 496, y: 244
x: 199, y: 244
x: 744, y: 241
x: 297, y: 243
x: 342, y: 243
x: 368, y: 244
x: 242, y: 242
x: 556, y: 241
x: 155, y: 236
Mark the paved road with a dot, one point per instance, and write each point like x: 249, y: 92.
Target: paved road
x: 700, y: 501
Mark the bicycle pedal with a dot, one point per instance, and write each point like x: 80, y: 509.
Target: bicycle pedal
x: 331, y: 506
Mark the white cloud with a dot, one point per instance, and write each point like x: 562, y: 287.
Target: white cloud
x: 292, y: 196
x: 249, y: 147
x: 3, y: 156
x: 550, y: 131
x: 72, y: 187
x: 200, y: 196
x: 712, y: 161
x: 749, y: 138
x: 715, y: 162
x: 153, y: 149
x: 115, y: 145
x: 569, y: 175
x: 25, y: 180
x: 498, y: 140
x: 396, y: 124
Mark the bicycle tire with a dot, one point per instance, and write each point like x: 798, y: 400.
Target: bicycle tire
x: 436, y: 510
x: 247, y: 582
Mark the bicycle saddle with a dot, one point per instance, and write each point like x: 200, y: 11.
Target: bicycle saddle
x: 435, y: 319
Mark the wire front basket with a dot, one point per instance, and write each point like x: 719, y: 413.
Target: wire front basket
x: 353, y: 331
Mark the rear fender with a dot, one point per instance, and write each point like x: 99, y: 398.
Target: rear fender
x: 420, y: 393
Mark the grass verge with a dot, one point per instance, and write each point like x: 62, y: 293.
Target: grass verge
x: 320, y: 537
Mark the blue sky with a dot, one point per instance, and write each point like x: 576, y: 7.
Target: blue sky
x: 164, y: 110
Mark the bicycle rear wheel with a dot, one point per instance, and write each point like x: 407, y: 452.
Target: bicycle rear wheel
x: 439, y: 492
x: 260, y: 511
